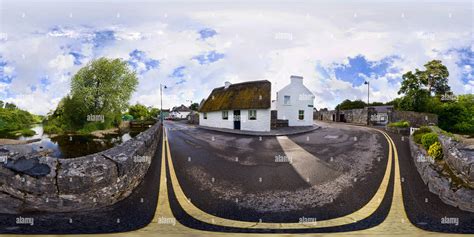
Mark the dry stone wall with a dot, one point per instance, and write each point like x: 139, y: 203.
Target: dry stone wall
x: 463, y: 197
x: 40, y: 183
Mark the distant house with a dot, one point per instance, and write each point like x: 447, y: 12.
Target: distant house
x: 380, y: 114
x: 243, y: 106
x: 295, y: 103
x: 179, y: 112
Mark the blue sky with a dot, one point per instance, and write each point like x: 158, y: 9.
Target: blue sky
x: 196, y: 47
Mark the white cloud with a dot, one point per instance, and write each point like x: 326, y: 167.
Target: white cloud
x: 265, y: 41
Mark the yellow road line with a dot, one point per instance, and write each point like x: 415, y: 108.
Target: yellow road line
x: 358, y: 215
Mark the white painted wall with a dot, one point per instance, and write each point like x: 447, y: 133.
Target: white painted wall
x: 300, y: 98
x: 214, y: 119
x: 261, y: 124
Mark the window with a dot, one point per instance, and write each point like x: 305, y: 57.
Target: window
x: 204, y: 115
x: 300, y: 114
x: 225, y: 115
x: 286, y: 100
x: 252, y: 114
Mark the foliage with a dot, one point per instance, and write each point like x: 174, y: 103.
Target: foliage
x: 101, y: 89
x: 23, y: 132
x: 348, y: 104
x: 436, y: 151
x: 153, y: 113
x: 15, y: 119
x: 10, y: 106
x: 400, y: 124
x: 418, y: 134
x: 429, y: 139
x: 139, y: 112
x: 434, y: 79
x: 1, y: 104
x: 455, y: 116
x: 194, y: 106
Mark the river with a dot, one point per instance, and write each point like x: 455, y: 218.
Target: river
x: 70, y: 146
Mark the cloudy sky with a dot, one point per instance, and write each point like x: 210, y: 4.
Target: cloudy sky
x: 193, y: 47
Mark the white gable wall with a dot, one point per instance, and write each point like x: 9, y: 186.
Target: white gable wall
x: 301, y: 98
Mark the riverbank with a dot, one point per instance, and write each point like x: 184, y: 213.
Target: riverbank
x: 5, y: 141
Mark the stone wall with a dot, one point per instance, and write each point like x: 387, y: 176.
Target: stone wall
x: 463, y: 198
x: 416, y: 119
x: 40, y: 183
x: 459, y: 158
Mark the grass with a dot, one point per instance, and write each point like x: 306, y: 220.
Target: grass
x: 400, y: 124
x: 23, y: 132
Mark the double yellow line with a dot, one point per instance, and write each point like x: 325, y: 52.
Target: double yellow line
x: 359, y: 215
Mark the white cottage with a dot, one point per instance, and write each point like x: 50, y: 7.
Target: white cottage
x: 295, y: 103
x: 244, y: 106
x: 180, y: 112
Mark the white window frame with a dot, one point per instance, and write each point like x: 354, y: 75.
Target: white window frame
x: 225, y: 115
x: 300, y: 115
x: 204, y: 115
x: 252, y: 114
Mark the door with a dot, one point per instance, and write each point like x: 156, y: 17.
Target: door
x: 237, y: 119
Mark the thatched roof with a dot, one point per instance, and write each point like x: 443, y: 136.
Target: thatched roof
x: 246, y: 95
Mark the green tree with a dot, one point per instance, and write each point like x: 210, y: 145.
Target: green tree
x: 103, y: 87
x: 154, y: 113
x: 138, y: 111
x: 348, y: 104
x: 435, y: 77
x: 10, y: 106
x: 1, y: 104
x: 194, y: 106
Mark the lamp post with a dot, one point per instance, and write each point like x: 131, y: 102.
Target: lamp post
x: 368, y: 102
x: 368, y: 88
x: 161, y: 101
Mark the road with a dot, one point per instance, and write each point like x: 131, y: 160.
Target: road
x: 328, y: 173
x: 391, y: 199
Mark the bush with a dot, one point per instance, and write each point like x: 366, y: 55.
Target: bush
x: 436, y: 151
x: 419, y: 133
x: 429, y: 139
x: 400, y: 124
x: 52, y: 129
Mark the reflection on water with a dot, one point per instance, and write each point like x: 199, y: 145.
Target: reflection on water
x: 69, y: 146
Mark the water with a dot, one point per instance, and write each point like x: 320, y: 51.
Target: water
x: 70, y: 146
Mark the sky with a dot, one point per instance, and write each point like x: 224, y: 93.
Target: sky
x: 193, y: 47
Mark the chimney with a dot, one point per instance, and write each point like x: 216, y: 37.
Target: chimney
x: 296, y: 79
x: 227, y: 84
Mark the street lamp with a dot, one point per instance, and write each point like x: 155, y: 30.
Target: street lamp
x: 368, y: 102
x: 161, y: 101
x: 368, y: 86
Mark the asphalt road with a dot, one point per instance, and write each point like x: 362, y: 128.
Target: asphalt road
x: 132, y: 213
x: 425, y: 209
x: 239, y: 177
